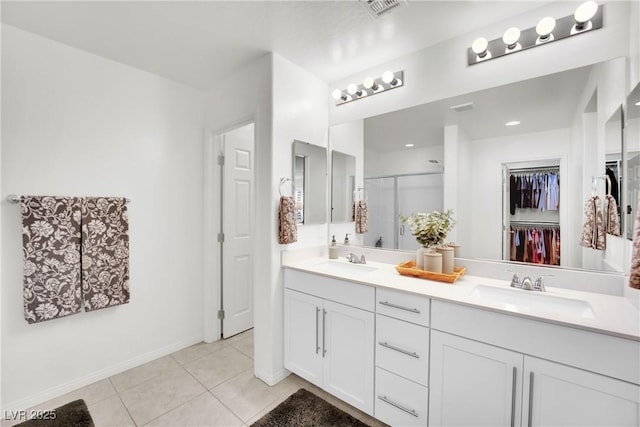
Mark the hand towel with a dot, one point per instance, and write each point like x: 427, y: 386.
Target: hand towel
x: 634, y: 275
x: 51, y: 250
x: 362, y: 217
x: 105, y: 252
x: 593, y: 232
x: 612, y: 223
x: 287, y: 229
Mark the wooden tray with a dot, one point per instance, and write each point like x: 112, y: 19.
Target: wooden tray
x: 409, y: 269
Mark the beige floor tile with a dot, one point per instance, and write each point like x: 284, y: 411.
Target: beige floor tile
x: 219, y: 366
x: 133, y: 377
x: 245, y: 346
x: 247, y: 396
x: 159, y: 395
x: 203, y: 411
x: 192, y: 353
x: 110, y: 412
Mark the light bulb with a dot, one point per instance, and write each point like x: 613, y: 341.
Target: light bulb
x: 512, y: 123
x: 337, y: 94
x: 388, y: 77
x: 479, y: 46
x: 352, y: 89
x: 545, y: 27
x: 638, y: 104
x: 368, y: 82
x: 511, y: 36
x: 584, y: 13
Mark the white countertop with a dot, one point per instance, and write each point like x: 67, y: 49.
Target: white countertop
x: 612, y: 315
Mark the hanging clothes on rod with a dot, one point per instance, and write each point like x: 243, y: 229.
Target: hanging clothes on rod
x: 534, y: 188
x: 535, y: 243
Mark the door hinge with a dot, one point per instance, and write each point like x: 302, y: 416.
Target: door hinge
x: 221, y: 314
x: 220, y: 237
x: 221, y: 159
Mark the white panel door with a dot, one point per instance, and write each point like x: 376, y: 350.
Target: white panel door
x: 237, y: 223
x: 557, y: 395
x: 473, y: 384
x: 348, y: 347
x: 302, y: 333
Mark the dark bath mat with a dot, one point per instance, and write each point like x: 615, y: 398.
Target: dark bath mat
x: 73, y: 414
x: 305, y: 409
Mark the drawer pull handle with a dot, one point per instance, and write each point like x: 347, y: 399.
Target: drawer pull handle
x: 402, y: 408
x: 388, y: 304
x: 392, y: 347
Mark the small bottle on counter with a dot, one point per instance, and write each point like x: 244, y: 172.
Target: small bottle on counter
x: 333, y: 249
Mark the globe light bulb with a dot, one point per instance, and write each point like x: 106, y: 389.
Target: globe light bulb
x: 511, y: 36
x: 336, y: 94
x: 368, y: 82
x: 545, y: 27
x: 584, y: 13
x: 479, y: 46
x: 388, y: 77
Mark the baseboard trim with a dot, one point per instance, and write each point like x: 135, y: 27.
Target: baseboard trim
x: 83, y: 381
x: 273, y: 379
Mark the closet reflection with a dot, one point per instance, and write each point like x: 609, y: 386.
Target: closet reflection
x: 632, y: 152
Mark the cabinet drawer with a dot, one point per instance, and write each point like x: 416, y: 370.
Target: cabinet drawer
x: 404, y: 306
x: 342, y: 291
x: 402, y: 348
x: 400, y: 402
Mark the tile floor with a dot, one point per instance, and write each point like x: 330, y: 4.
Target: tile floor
x: 203, y: 385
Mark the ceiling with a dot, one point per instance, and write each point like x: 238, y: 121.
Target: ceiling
x: 198, y: 43
x: 544, y: 103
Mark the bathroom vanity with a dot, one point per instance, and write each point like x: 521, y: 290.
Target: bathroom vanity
x: 417, y: 352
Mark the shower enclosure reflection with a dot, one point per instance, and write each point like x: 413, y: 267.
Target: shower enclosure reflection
x: 390, y: 196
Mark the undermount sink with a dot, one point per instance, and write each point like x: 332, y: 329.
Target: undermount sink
x: 338, y: 267
x: 521, y: 300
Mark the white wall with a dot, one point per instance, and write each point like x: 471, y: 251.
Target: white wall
x: 245, y: 96
x: 77, y: 124
x: 299, y: 112
x: 485, y: 187
x: 457, y: 179
x: 407, y: 161
x: 441, y: 71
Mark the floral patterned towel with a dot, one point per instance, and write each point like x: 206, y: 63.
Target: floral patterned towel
x: 105, y: 252
x: 634, y: 274
x: 287, y: 228
x: 593, y: 231
x: 362, y: 217
x: 51, y: 249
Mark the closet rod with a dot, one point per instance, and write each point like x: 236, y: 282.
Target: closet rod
x: 536, y: 169
x: 535, y: 223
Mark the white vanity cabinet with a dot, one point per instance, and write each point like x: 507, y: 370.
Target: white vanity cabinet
x: 402, y: 358
x: 491, y: 369
x: 473, y: 384
x: 330, y: 343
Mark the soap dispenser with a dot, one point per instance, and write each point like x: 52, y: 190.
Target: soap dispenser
x: 333, y: 249
x: 346, y: 239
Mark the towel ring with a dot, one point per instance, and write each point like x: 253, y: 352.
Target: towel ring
x: 284, y: 180
x: 594, y: 184
x: 356, y: 193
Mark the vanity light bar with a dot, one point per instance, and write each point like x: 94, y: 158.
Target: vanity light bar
x: 369, y: 86
x: 588, y: 17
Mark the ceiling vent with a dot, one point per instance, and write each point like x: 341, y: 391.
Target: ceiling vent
x: 463, y: 107
x: 378, y: 8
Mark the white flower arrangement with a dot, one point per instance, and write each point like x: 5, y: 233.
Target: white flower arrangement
x: 430, y: 229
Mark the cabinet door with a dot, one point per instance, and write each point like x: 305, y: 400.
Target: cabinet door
x: 348, y: 354
x: 473, y: 384
x: 558, y: 395
x: 302, y: 333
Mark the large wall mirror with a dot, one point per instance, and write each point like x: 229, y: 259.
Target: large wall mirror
x: 460, y: 153
x: 310, y: 182
x: 343, y: 186
x: 632, y: 148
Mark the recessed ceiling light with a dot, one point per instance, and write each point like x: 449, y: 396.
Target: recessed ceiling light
x: 638, y: 103
x: 409, y: 145
x: 512, y: 123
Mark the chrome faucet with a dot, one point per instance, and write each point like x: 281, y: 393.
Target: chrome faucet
x: 527, y: 284
x: 354, y: 259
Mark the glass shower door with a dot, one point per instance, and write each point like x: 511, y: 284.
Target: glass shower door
x: 381, y: 203
x: 417, y: 193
